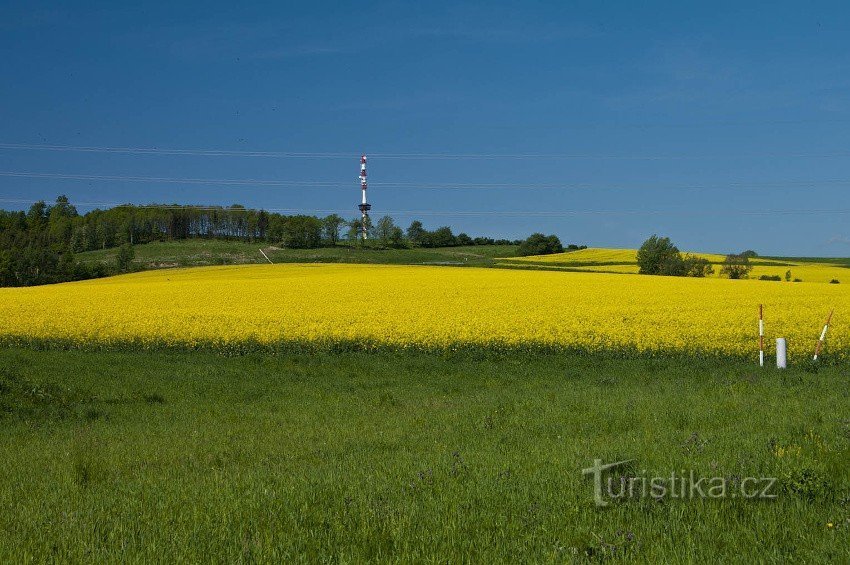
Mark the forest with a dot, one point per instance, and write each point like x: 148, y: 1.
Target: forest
x: 38, y: 246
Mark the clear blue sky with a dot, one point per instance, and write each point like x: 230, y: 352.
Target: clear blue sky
x: 715, y: 109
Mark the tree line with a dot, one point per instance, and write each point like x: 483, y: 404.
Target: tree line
x: 658, y: 256
x: 38, y: 246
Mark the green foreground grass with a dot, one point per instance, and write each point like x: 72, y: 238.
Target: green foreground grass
x: 108, y: 457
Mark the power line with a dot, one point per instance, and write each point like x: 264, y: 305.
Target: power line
x: 264, y: 183
x: 469, y: 213
x: 258, y: 182
x: 166, y: 151
x: 600, y: 157
x: 410, y: 156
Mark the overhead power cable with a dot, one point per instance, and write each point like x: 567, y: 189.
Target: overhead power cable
x: 264, y: 183
x: 229, y: 182
x: 166, y: 151
x: 414, y: 156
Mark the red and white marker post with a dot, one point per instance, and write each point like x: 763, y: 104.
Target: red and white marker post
x: 761, y: 335
x: 819, y: 346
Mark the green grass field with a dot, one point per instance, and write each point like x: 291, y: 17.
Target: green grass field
x: 200, y: 252
x: 117, y: 457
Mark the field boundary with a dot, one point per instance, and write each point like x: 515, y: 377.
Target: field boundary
x: 492, y: 350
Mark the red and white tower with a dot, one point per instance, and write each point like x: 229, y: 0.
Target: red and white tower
x: 364, y: 207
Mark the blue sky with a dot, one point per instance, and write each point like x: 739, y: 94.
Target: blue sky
x: 673, y: 118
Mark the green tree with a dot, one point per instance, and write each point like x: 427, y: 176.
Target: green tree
x: 125, y: 257
x: 37, y: 215
x: 262, y: 224
x: 331, y: 226
x: 736, y: 267
x: 539, y: 244
x: 658, y: 256
x: 464, y: 239
x: 384, y: 230
x: 60, y: 223
x: 697, y: 266
x: 443, y: 237
x: 397, y: 237
x: 416, y: 233
x: 354, y: 233
x: 302, y: 232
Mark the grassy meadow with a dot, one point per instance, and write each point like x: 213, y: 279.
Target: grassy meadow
x: 252, y: 413
x: 204, y: 252
x: 139, y: 457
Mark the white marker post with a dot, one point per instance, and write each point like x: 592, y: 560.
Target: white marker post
x: 819, y: 346
x: 781, y: 353
x: 266, y: 256
x: 761, y: 335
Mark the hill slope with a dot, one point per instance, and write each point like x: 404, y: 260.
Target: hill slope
x: 625, y: 261
x: 245, y: 307
x: 203, y: 252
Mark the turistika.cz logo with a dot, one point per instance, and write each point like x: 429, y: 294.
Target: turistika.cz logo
x: 619, y: 481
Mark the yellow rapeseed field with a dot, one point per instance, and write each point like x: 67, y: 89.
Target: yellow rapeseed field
x: 600, y: 256
x: 633, y: 269
x: 423, y: 307
x: 625, y: 261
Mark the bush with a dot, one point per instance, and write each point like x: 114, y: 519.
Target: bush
x: 464, y: 239
x: 98, y: 270
x: 835, y: 281
x: 125, y: 257
x: 697, y: 266
x: 770, y: 278
x: 736, y: 267
x: 443, y: 237
x: 658, y: 256
x: 539, y: 244
x: 805, y: 483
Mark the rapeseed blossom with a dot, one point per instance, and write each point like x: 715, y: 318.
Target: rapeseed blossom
x: 424, y: 307
x: 625, y: 261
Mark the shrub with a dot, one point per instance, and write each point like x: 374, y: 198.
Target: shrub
x: 805, y: 483
x: 658, y: 256
x: 673, y: 266
x: 443, y: 237
x: 736, y: 267
x: 835, y: 281
x: 125, y: 257
x: 697, y: 266
x: 464, y: 239
x: 539, y: 244
x: 770, y: 278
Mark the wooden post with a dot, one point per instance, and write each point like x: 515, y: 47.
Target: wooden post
x: 819, y: 346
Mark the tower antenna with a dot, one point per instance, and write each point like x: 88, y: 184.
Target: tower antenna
x: 364, y: 207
